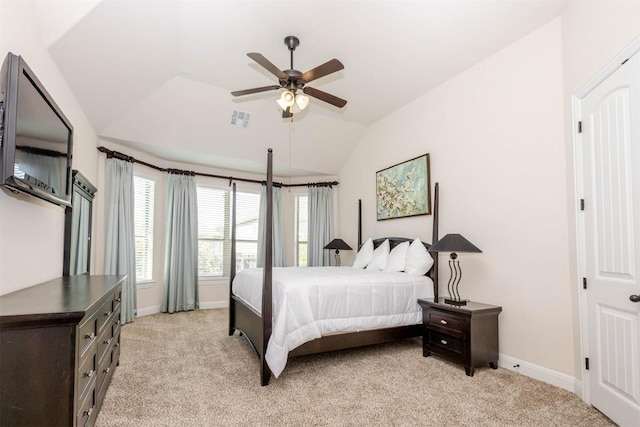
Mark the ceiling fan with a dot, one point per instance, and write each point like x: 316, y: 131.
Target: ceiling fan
x: 293, y: 81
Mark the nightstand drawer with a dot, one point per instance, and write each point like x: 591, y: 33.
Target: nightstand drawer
x: 446, y: 342
x: 445, y: 322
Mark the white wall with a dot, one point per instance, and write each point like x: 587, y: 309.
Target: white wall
x: 495, y: 134
x: 32, y: 231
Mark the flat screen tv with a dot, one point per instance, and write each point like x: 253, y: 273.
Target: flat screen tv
x: 36, y: 139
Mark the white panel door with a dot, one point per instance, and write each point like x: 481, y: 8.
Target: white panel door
x: 611, y: 171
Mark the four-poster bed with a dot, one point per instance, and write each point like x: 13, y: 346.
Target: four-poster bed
x: 255, y: 320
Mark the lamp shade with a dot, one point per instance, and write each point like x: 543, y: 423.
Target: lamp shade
x: 286, y: 99
x: 338, y: 244
x: 302, y: 101
x: 453, y: 243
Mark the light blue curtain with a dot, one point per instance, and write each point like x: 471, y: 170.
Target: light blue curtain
x: 320, y: 226
x: 120, y: 254
x: 279, y: 254
x: 79, y: 235
x: 45, y: 169
x: 180, y: 291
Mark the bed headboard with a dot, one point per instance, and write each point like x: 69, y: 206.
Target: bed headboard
x: 395, y: 241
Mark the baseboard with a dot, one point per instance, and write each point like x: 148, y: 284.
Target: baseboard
x: 549, y: 376
x: 146, y: 311
x: 214, y: 304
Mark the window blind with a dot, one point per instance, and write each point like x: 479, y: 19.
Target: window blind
x: 144, y: 190
x: 214, y: 230
x: 302, y: 229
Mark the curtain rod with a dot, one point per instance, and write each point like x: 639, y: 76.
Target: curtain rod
x: 121, y: 156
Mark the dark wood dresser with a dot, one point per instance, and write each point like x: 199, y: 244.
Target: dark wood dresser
x: 59, y: 346
x: 467, y: 334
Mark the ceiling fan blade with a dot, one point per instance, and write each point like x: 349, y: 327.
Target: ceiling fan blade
x: 322, y: 70
x: 324, y: 96
x: 254, y: 90
x: 267, y: 65
x: 286, y: 114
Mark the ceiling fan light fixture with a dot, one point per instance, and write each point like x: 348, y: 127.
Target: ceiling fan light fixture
x: 302, y: 101
x: 286, y: 99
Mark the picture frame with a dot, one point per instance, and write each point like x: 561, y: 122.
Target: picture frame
x: 404, y: 189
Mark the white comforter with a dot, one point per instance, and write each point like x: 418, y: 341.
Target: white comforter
x: 309, y: 302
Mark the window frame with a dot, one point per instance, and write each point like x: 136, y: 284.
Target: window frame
x: 226, y: 247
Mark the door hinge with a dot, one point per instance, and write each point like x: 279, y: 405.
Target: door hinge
x: 580, y: 127
x: 581, y: 204
x: 584, y: 283
x: 586, y: 363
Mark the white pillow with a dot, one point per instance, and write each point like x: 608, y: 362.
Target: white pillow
x: 418, y: 260
x: 365, y: 255
x: 397, y: 257
x: 380, y: 256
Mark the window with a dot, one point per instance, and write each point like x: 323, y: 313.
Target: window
x: 214, y: 231
x: 143, y: 225
x: 302, y: 229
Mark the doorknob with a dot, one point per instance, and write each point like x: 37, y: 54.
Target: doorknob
x: 635, y: 298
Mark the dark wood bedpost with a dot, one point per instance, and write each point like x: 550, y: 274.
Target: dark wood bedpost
x: 359, y: 223
x: 232, y: 268
x: 434, y: 239
x: 267, y: 301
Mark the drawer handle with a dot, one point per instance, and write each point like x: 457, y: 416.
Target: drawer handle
x: 443, y: 342
x: 89, y: 336
x: 444, y: 322
x: 107, y: 341
x: 108, y: 313
x: 89, y: 374
x: 88, y: 413
x: 106, y: 371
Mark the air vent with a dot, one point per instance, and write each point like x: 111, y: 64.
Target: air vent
x: 240, y: 119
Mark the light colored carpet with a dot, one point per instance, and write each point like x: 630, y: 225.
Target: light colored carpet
x: 184, y: 370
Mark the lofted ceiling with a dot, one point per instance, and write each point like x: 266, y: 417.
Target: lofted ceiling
x: 156, y: 75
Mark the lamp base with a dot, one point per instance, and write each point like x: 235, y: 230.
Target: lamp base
x: 455, y: 302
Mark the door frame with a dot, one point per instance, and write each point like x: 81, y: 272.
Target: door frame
x: 576, y: 116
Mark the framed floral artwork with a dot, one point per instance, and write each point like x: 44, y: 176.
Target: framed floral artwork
x: 404, y: 189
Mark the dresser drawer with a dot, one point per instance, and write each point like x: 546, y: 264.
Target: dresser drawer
x: 104, y: 343
x: 103, y: 373
x: 104, y: 314
x: 87, y: 333
x: 116, y: 350
x: 86, y: 372
x: 87, y: 407
x: 445, y: 321
x: 117, y: 299
x: 448, y: 346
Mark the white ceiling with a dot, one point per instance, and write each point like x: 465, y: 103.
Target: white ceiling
x: 157, y: 75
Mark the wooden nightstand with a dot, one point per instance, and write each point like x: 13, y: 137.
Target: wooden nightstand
x: 462, y: 334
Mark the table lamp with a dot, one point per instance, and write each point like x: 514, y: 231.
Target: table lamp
x: 454, y: 243
x: 338, y: 244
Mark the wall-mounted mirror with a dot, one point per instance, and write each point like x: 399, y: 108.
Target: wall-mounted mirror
x: 77, y: 225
